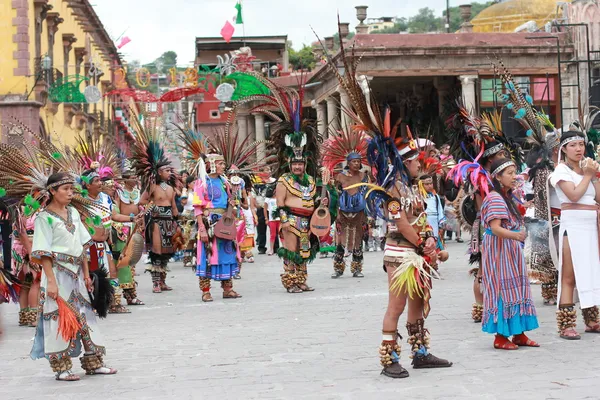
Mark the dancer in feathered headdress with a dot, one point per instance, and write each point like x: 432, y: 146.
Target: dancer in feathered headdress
x: 543, y: 140
x: 128, y: 228
x: 212, y: 198
x: 296, y: 141
x: 477, y: 142
x: 97, y: 160
x: 410, y: 246
x: 346, y: 149
x: 158, y: 181
x: 31, y: 182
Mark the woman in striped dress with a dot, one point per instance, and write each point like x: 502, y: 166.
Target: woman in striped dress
x: 508, y: 308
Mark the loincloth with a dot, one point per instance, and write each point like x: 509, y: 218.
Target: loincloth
x: 350, y: 229
x: 162, y: 217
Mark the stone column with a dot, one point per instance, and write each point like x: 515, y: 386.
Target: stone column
x: 259, y: 127
x: 250, y: 128
x: 468, y: 92
x: 345, y: 105
x: 80, y: 52
x: 52, y: 22
x: 242, y: 122
x: 322, y: 119
x: 443, y: 85
x: 68, y: 40
x: 332, y: 114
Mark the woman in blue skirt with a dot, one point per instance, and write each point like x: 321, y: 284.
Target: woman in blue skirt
x: 508, y: 308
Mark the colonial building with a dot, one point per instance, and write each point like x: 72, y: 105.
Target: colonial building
x: 419, y: 75
x: 266, y: 54
x: 58, y: 61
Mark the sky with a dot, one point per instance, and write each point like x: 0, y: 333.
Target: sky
x: 156, y: 26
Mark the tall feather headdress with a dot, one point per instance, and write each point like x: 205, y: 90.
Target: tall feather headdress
x: 148, y: 154
x: 239, y: 153
x: 24, y: 174
x: 194, y: 146
x: 344, y: 145
x: 293, y: 137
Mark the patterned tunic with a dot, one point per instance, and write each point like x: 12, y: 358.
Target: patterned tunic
x: 505, y: 281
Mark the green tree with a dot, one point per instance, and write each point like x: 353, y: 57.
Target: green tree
x: 455, y: 18
x: 303, y: 58
x: 425, y: 21
x: 336, y: 39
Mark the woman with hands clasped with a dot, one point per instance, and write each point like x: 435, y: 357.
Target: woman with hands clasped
x: 576, y: 183
x: 508, y: 309
x: 67, y: 320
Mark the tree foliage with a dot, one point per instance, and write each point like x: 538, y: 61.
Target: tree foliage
x: 426, y: 21
x: 302, y: 58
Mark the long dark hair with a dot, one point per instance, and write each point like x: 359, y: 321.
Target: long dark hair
x: 508, y: 195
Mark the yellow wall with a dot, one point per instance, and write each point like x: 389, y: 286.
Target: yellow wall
x: 508, y: 15
x: 7, y: 47
x: 55, y: 122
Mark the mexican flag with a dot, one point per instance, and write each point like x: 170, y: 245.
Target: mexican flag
x: 238, y: 18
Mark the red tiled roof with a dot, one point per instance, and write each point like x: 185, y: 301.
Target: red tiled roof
x: 440, y: 40
x: 293, y: 80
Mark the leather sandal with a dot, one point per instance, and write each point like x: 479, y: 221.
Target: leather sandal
x: 502, y: 343
x: 135, y: 302
x: 524, y: 341
x: 104, y: 371
x: 67, y: 376
x: 294, y: 289
x: 118, y: 310
x: 592, y: 329
x: 572, y: 334
x: 305, y: 288
x: 207, y: 297
x: 231, y: 294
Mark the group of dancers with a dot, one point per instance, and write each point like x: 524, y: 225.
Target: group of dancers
x: 81, y: 218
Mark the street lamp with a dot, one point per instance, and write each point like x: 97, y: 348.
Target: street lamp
x: 46, y: 67
x: 221, y: 108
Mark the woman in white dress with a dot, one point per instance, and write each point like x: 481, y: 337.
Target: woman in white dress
x: 578, y: 190
x: 59, y: 245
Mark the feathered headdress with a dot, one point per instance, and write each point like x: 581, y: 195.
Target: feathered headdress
x: 366, y: 115
x: 540, y: 133
x: 194, y: 146
x: 24, y: 174
x: 238, y: 153
x: 294, y: 137
x: 148, y: 154
x: 343, y: 146
x: 99, y: 155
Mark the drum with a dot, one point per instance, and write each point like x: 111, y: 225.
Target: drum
x: 125, y: 276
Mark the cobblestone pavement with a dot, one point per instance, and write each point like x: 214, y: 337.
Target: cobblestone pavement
x: 319, y: 345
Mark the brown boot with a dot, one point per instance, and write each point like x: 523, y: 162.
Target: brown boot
x: 389, y: 354
x: 419, y: 342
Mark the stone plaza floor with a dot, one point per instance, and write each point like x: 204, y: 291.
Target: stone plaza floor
x: 320, y: 345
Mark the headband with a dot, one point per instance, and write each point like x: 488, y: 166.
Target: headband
x: 353, y: 156
x: 92, y: 175
x: 60, y: 183
x: 493, y: 150
x: 503, y: 166
x: 571, y: 139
